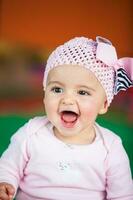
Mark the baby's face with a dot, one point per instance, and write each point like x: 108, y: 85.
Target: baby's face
x: 73, y: 99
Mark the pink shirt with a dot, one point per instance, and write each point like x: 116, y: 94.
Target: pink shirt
x: 43, y: 167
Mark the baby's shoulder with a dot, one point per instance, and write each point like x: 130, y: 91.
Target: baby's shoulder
x: 30, y: 128
x: 36, y: 123
x: 108, y: 136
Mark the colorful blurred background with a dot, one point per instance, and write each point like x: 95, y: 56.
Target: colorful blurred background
x: 31, y: 29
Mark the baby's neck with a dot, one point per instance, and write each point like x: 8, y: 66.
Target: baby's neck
x: 76, y: 139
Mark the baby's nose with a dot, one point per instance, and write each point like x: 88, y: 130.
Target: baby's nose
x: 68, y: 101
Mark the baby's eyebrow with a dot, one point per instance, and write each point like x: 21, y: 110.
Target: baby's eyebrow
x: 54, y: 83
x: 87, y: 87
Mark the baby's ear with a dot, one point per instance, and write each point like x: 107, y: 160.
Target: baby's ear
x: 44, y: 102
x: 44, y: 96
x: 104, y: 108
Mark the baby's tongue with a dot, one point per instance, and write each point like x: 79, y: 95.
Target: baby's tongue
x: 68, y: 116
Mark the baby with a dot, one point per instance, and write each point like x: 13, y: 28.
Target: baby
x: 67, y: 155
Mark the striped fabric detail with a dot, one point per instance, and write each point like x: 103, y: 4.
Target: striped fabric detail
x: 122, y: 82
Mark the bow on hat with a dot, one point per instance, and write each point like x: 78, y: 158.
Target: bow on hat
x: 123, y: 67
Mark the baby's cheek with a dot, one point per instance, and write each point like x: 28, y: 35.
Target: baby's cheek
x: 89, y: 110
x: 49, y: 107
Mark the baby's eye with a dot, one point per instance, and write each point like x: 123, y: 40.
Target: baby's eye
x: 57, y: 90
x: 83, y: 92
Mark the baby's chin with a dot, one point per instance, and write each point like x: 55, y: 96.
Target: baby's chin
x: 65, y: 132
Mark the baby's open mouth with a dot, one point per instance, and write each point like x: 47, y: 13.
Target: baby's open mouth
x: 69, y: 116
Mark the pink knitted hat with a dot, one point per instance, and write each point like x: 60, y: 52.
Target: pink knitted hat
x: 98, y: 56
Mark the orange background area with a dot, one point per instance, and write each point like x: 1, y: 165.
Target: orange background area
x: 46, y: 24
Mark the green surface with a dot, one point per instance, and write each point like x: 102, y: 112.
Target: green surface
x: 10, y: 123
